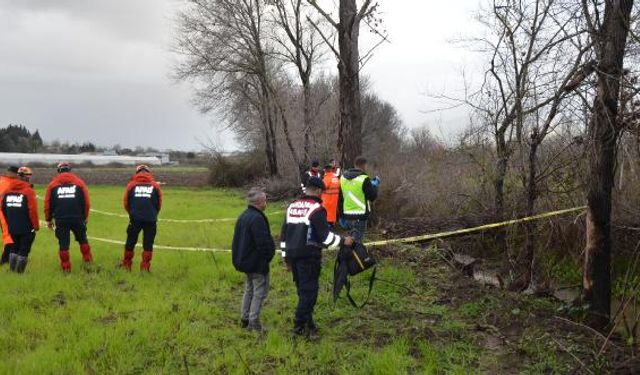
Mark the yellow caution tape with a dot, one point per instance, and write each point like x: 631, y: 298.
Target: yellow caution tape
x: 407, y: 240
x: 162, y: 247
x: 185, y: 221
x: 430, y: 237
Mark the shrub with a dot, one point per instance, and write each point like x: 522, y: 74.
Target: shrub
x: 235, y: 170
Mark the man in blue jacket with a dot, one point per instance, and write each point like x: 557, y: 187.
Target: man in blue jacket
x: 252, y: 251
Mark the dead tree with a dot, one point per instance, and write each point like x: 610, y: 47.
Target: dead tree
x: 609, y: 35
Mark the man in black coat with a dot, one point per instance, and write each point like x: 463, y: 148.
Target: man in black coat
x: 252, y: 251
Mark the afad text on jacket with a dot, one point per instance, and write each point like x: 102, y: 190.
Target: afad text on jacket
x: 20, y: 208
x: 143, y: 198
x: 67, y: 198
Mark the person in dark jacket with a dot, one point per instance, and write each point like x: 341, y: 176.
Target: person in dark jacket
x: 304, y: 234
x: 252, y: 251
x: 314, y: 171
x: 67, y: 202
x: 20, y: 212
x: 357, y: 191
x: 142, y: 201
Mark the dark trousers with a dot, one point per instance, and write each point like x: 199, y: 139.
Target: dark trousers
x: 356, y: 228
x: 65, y: 227
x: 148, y: 229
x: 306, y: 274
x: 22, y: 243
x: 5, y: 254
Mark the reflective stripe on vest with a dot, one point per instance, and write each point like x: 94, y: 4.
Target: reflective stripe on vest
x: 354, y: 201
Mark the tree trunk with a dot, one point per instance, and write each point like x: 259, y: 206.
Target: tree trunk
x: 603, y: 132
x: 530, y: 228
x: 279, y: 108
x: 502, y: 160
x: 306, y: 93
x: 268, y: 122
x: 350, y: 131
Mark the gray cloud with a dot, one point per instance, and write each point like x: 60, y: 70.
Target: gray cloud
x: 137, y: 19
x: 95, y: 70
x: 99, y: 70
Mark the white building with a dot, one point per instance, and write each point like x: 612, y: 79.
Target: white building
x: 9, y: 158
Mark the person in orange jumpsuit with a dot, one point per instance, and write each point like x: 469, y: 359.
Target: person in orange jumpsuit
x: 7, y: 241
x: 331, y: 195
x: 19, y: 209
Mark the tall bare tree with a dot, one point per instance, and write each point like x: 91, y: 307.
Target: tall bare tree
x: 609, y: 34
x: 224, y: 49
x: 302, y: 47
x: 349, y: 62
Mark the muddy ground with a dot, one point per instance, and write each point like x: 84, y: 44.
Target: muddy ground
x: 524, y: 332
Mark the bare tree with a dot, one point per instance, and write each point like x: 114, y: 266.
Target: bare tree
x: 609, y: 34
x: 349, y: 62
x: 224, y: 52
x: 532, y: 54
x: 302, y: 47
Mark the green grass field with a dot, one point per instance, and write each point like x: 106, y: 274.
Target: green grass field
x: 182, y: 318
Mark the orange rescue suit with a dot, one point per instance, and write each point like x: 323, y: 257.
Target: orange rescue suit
x: 5, y: 184
x: 331, y: 195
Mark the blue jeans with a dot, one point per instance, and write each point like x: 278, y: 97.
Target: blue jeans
x: 356, y: 228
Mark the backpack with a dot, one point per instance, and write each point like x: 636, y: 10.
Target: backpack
x: 358, y: 259
x: 351, y: 261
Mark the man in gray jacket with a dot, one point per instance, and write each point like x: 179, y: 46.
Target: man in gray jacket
x: 252, y: 251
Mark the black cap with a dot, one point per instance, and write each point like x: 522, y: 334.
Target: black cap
x: 315, y: 164
x: 315, y: 182
x: 13, y: 169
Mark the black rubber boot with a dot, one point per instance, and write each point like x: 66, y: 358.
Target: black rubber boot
x: 13, y: 262
x: 21, y: 264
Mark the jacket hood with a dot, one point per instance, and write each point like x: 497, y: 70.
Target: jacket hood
x: 16, y: 185
x: 353, y: 173
x: 67, y: 178
x: 143, y: 177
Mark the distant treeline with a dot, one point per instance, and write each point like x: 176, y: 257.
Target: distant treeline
x: 17, y: 138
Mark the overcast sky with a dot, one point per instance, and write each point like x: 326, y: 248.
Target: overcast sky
x: 98, y: 70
